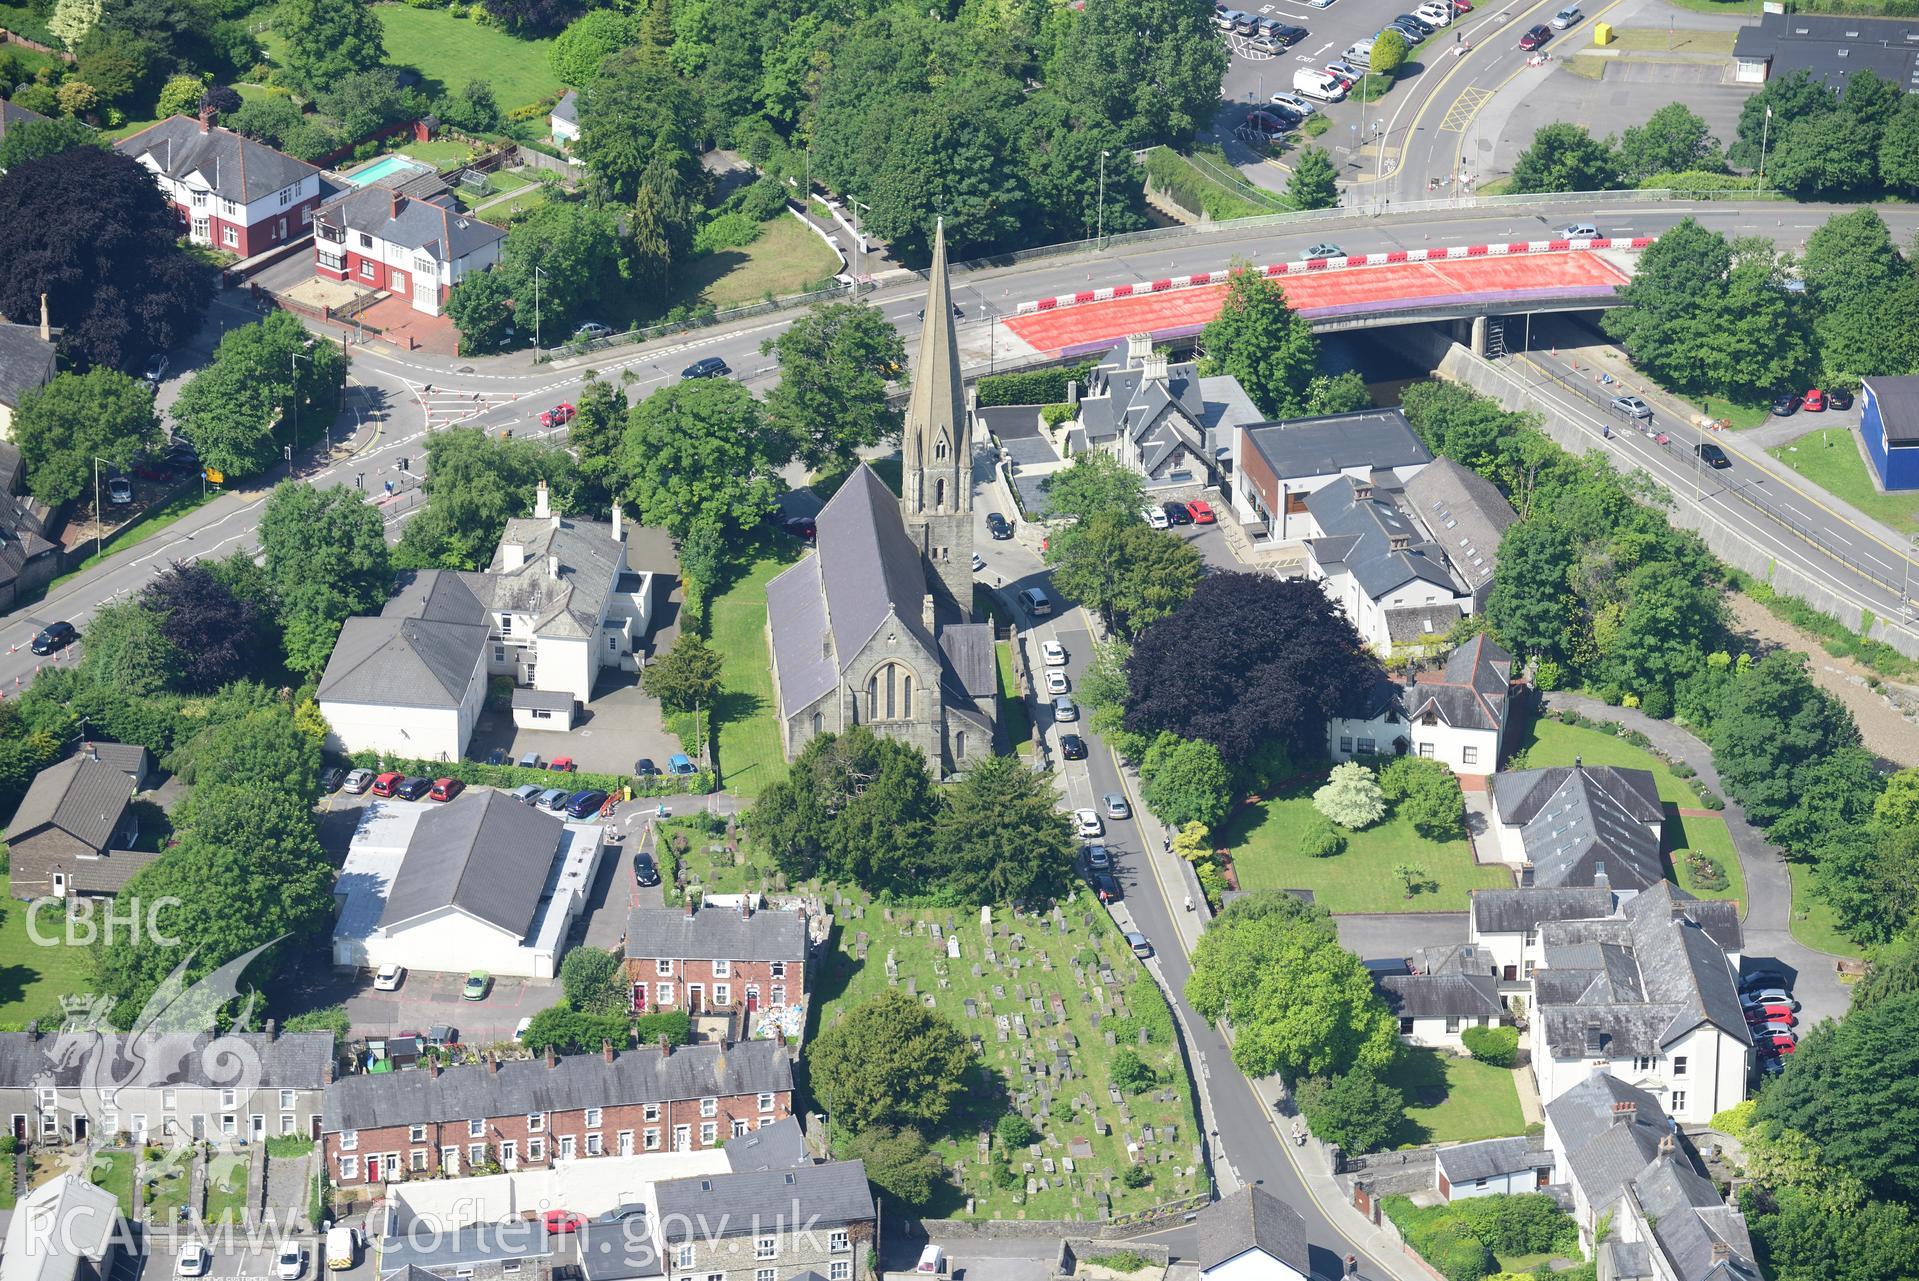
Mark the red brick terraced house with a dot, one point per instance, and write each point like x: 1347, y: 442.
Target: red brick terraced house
x: 413, y: 247
x: 716, y: 959
x: 239, y: 196
x: 532, y: 1112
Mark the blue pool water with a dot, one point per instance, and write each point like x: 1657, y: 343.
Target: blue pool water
x: 383, y: 168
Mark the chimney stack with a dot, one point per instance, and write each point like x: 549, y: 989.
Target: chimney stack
x: 512, y: 556
x: 1623, y: 1111
x: 1667, y: 1147
x: 1153, y: 367
x: 92, y: 754
x: 553, y: 567
x: 552, y: 1059
x: 272, y: 1029
x: 399, y: 203
x: 619, y: 527
x: 207, y: 116
x: 606, y: 1051
x: 540, y: 508
x: 746, y: 907
x: 492, y: 1064
x: 666, y: 1047
x: 1400, y: 542
x: 1721, y: 1251
x: 1363, y: 491
x: 432, y: 1065
x: 1138, y: 348
x: 46, y: 325
x: 689, y: 907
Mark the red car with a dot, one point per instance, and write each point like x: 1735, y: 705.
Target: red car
x: 558, y: 416
x: 444, y: 789
x: 1775, y: 1044
x: 558, y: 1221
x: 1462, y: 6
x: 564, y: 764
x: 1202, y: 512
x: 1815, y: 401
x: 1769, y: 1014
x: 1535, y: 36
x: 387, y: 783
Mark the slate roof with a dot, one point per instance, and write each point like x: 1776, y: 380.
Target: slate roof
x: 434, y: 225
x: 1515, y: 911
x: 1374, y: 539
x: 1466, y: 515
x: 109, y: 873
x: 1373, y: 699
x: 1585, y: 826
x: 58, y: 1224
x: 1608, y: 1132
x: 1224, y: 406
x: 970, y: 661
x: 1376, y: 438
x: 802, y: 644
x: 1417, y: 624
x: 778, y: 1146
x: 290, y: 1060
x: 569, y: 605
x: 715, y: 934
x: 1898, y: 402
x: 373, y: 1101
x: 420, y: 651
x: 1441, y: 996
x: 11, y: 115
x: 552, y: 700
x: 751, y: 1201
x: 482, y: 852
x: 1252, y: 1219
x: 130, y: 759
x: 1489, y: 1159
x: 568, y: 107
x: 609, y: 1252
x: 23, y: 538
x: 1834, y: 48
x: 234, y: 167
x: 80, y: 796
x: 1471, y: 691
x: 26, y: 363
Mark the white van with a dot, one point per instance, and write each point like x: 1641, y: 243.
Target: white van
x: 342, y: 1249
x: 1360, y: 53
x: 1317, y: 84
x: 1036, y: 602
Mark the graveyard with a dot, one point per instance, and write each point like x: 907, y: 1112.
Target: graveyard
x: 1051, y: 1001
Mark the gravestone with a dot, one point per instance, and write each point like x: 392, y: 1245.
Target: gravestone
x: 1111, y: 1039
x: 972, y: 1011
x: 892, y: 967
x: 1080, y: 1148
x: 999, y: 992
x: 952, y: 946
x: 978, y: 973
x: 913, y: 987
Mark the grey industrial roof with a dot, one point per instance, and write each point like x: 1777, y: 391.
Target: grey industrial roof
x: 778, y: 1146
x: 750, y: 1201
x: 420, y: 651
x: 291, y: 1060
x: 1466, y: 515
x: 1471, y: 691
x: 568, y: 107
x: 482, y: 852
x: 1831, y: 49
x: 1441, y: 996
x: 612, y: 1252
x: 570, y: 604
x: 80, y: 796
x: 1515, y: 911
x: 1586, y: 826
x: 1489, y: 1159
x: 1252, y: 1219
x: 1376, y: 438
x: 1374, y: 538
x: 1897, y: 400
x: 435, y: 225
x: 373, y: 1101
x: 715, y: 934
x: 234, y: 167
x: 58, y: 1224
x: 26, y: 363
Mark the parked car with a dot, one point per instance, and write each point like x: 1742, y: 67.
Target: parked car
x: 529, y: 760
x: 388, y: 978
x: 1176, y: 512
x: 1815, y: 401
x: 444, y: 789
x: 1631, y: 407
x: 412, y: 788
x: 1064, y: 709
x: 52, y: 637
x: 585, y: 804
x: 1115, y: 806
x: 1036, y: 602
x: 1419, y: 26
x: 559, y: 1221
x: 156, y: 371
x: 1086, y: 823
x: 1107, y: 886
x: 1769, y: 996
x: 1765, y: 978
x: 1056, y: 682
x: 1711, y: 454
x: 147, y: 467
x: 979, y: 562
x: 644, y: 872
x: 554, y: 798
x: 1295, y: 104
x: 621, y: 1213
x: 1775, y: 1044
x: 1406, y: 27
x: 1201, y: 511
x: 498, y: 756
x: 1052, y: 653
x: 1325, y: 249
x: 1536, y: 35
x: 1098, y: 858
x: 558, y: 416
x: 1137, y: 941
x: 1156, y: 517
x: 1435, y: 13
x: 520, y: 1030
x: 562, y: 765
x: 1785, y: 404
x: 1226, y: 19
x: 1072, y: 747
x: 442, y: 1036
x: 804, y: 528
x: 385, y: 784
x: 528, y: 793
x: 1566, y: 17
x: 1462, y: 6
x: 357, y: 781
x: 592, y: 329
x: 706, y: 367
x: 478, y: 983
x: 290, y: 1264
x: 998, y: 526
x: 119, y: 491
x: 681, y: 764
x: 1839, y: 398
x: 645, y: 768
x: 330, y: 779
x: 932, y: 1261
x: 192, y: 1260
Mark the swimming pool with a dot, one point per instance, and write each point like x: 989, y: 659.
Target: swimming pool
x: 386, y: 167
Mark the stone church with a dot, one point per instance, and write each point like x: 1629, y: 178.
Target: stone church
x: 875, y: 625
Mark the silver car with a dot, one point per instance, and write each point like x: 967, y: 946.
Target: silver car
x: 1566, y: 17
x: 1065, y: 709
x: 1631, y: 407
x: 1115, y: 806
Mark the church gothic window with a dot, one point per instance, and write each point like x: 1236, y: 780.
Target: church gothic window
x: 889, y: 693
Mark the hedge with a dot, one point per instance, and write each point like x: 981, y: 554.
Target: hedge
x: 1441, y: 1240
x: 1031, y: 386
x: 1498, y: 1046
x: 480, y: 774
x: 1522, y: 1223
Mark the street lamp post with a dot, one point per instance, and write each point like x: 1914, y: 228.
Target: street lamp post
x: 1099, y: 239
x: 293, y: 360
x: 859, y: 241
x: 1765, y: 136
x: 537, y: 274
x: 99, y: 517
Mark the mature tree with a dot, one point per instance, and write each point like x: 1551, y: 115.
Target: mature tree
x: 1261, y: 341
x: 63, y: 427
x: 1389, y: 54
x: 1356, y: 1110
x: 1094, y: 482
x: 586, y: 43
x: 31, y: 139
x: 854, y: 807
x: 1894, y: 971
x: 1124, y: 570
x: 533, y: 17
x: 1670, y: 309
x: 327, y: 41
x: 482, y: 308
x: 180, y: 96
x: 1245, y: 661
x: 1183, y: 780
x: 128, y: 650
x: 1849, y: 1089
x: 1351, y: 797
x: 1459, y: 423
x: 1150, y: 67
x: 1426, y: 794
x: 888, y: 1061
x: 368, y: 100
x: 73, y: 20
x: 1672, y: 617
x: 1850, y: 255
x: 1898, y: 803
x: 239, y: 410
x: 1793, y: 96
x: 685, y: 677
x: 594, y: 438
x: 1772, y: 724
x: 594, y: 981
x: 1314, y: 182
x: 700, y: 450
x: 566, y: 1030
x: 1898, y: 149
x: 1836, y: 795
x: 1341, y: 393
x: 476, y: 483
x: 266, y: 748
x: 635, y: 110
x: 1001, y: 837
x: 1565, y: 157
x: 1871, y: 880
x: 326, y: 555
x: 900, y: 1163
x: 1675, y: 140
x: 88, y: 230
x: 219, y: 637
x: 830, y: 400
x: 1527, y: 607
x: 1800, y: 1238
x: 580, y: 251
x: 1300, y: 1005
x: 1827, y: 153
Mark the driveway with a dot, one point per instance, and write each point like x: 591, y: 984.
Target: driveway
x: 427, y: 998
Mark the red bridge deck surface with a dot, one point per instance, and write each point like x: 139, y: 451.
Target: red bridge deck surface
x: 1348, y: 289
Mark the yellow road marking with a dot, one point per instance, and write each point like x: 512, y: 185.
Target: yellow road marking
x: 1464, y: 108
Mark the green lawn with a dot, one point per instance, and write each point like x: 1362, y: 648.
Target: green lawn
x: 226, y: 1187
x: 455, y: 50
x: 786, y: 259
x: 1556, y: 743
x: 1013, y: 711
x: 1829, y: 458
x: 1069, y: 980
x: 1673, y: 40
x: 33, y: 977
x: 1456, y: 1100
x: 1814, y: 923
x: 1264, y: 841
x: 113, y: 1171
x: 746, y: 729
x: 525, y: 202
x: 170, y: 1181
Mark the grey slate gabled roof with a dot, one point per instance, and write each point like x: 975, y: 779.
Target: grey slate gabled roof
x: 26, y: 363
x: 1471, y: 691
x: 234, y: 167
x: 802, y: 643
x: 751, y: 1201
x: 715, y: 934
x: 419, y: 652
x: 370, y: 1102
x: 1252, y: 1219
x: 1522, y: 794
x: 1515, y: 911
x: 11, y: 115
x: 1606, y: 1144
x: 435, y: 225
x: 1360, y: 533
x: 482, y: 852
x: 1586, y: 824
x: 570, y: 604
x: 290, y: 1060
x: 971, y: 666
x: 1441, y: 996
x: 80, y: 796
x: 779, y: 1146
x: 1488, y: 1159
x: 58, y: 1224
x: 1417, y: 624
x: 1466, y: 515
x: 568, y: 107
x: 1375, y: 438
x: 610, y: 1252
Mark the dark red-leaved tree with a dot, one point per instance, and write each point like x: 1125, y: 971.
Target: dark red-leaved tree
x: 1247, y: 661
x: 89, y: 229
x: 219, y: 636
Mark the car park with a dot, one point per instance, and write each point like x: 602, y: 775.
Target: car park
x: 558, y: 416
x: 680, y: 764
x: 412, y: 788
x: 1086, y: 823
x: 1815, y: 401
x: 1065, y: 709
x: 1226, y: 19
x: 554, y: 798
x: 1839, y: 398
x: 52, y: 637
x: 119, y: 491
x: 1294, y: 103
x: 1317, y: 84
x: 1325, y: 249
x: 998, y: 527
x: 1201, y: 511
x: 1631, y: 407
x: 1775, y: 1044
x: 1056, y: 682
x: 1711, y: 454
x: 388, y: 978
x: 445, y: 789
x: 1436, y: 13
x: 1115, y: 806
x: 1569, y: 16
x: 477, y: 985
x: 1245, y: 25
x: 585, y: 804
x: 1785, y: 404
x: 192, y: 1260
x: 498, y: 756
x: 1283, y: 34
x: 1768, y: 996
x: 1764, y: 979
x: 1072, y: 747
x: 1770, y: 1065
x: 1098, y: 858
x: 290, y: 1263
x: 1036, y: 602
x: 528, y: 793
x: 706, y: 367
x: 1536, y: 36
x: 1137, y: 941
x: 385, y: 784
x: 330, y: 779
x: 1052, y: 653
x: 644, y: 870
x: 1418, y: 26
x: 1155, y: 517
x: 357, y: 781
x: 1176, y: 512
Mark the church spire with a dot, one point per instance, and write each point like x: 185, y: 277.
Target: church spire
x: 936, y: 411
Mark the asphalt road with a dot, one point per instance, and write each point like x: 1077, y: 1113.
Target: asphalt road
x: 393, y: 396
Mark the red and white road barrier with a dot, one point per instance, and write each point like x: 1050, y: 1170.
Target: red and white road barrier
x: 1305, y: 265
